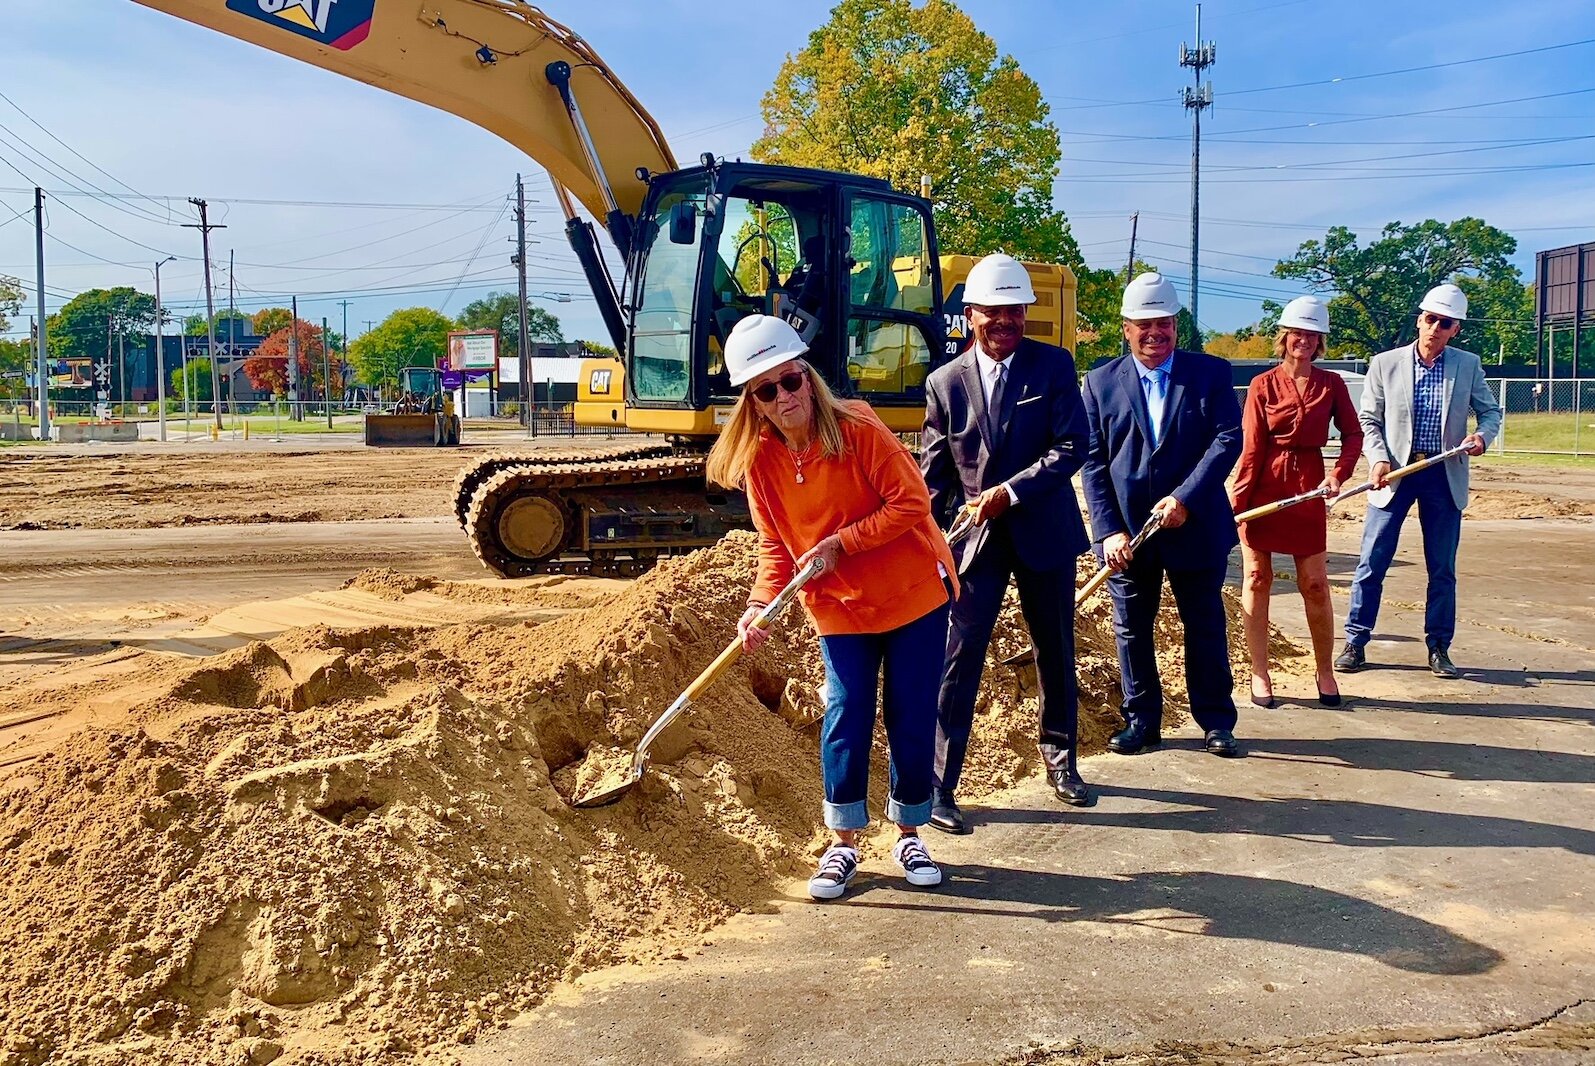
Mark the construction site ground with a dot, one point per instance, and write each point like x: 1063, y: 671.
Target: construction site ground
x: 1407, y: 878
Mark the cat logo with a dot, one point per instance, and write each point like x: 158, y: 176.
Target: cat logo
x: 598, y: 382
x: 339, y: 24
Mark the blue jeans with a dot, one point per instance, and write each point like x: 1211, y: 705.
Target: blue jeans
x: 912, y: 655
x: 1441, y: 523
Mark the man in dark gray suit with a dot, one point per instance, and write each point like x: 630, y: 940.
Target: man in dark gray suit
x: 1415, y: 404
x: 1004, y: 428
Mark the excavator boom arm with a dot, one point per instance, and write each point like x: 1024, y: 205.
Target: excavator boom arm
x: 483, y: 60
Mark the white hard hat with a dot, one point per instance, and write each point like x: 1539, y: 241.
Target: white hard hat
x: 758, y: 343
x: 1446, y: 300
x: 1150, y: 295
x: 1305, y: 312
x: 996, y: 280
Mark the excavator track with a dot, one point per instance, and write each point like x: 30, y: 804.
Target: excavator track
x: 476, y: 473
x: 611, y: 517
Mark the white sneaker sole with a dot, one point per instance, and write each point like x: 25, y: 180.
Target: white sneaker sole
x: 829, y: 889
x: 923, y: 879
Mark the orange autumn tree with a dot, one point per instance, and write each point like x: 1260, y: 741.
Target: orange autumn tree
x: 267, y: 369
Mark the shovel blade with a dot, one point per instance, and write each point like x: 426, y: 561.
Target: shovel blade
x: 609, y: 795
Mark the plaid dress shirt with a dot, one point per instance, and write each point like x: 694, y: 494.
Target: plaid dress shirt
x: 1428, y: 404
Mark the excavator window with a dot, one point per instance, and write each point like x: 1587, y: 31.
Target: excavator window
x: 662, y: 330
x: 891, y: 290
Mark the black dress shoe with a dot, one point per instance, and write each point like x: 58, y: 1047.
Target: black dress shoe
x: 1440, y: 664
x: 1329, y: 699
x: 1351, y: 660
x: 1265, y: 702
x: 1222, y: 742
x: 1065, y: 779
x: 1137, y: 735
x: 945, y: 815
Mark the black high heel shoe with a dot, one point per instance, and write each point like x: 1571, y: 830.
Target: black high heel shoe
x: 1262, y: 701
x: 1329, y: 699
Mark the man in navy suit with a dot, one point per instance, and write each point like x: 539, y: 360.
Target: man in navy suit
x: 1165, y: 431
x: 1004, y: 428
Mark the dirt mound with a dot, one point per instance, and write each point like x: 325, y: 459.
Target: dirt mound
x: 346, y: 846
x: 1493, y: 503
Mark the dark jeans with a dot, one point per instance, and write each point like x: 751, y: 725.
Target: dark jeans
x: 853, y: 664
x: 1441, y: 524
x: 1047, y: 599
x: 1198, y: 594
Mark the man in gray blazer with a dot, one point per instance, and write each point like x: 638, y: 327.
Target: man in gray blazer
x: 1415, y: 404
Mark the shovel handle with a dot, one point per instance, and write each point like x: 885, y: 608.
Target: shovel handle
x: 1402, y: 471
x: 766, y: 618
x: 1096, y: 581
x: 1279, y: 505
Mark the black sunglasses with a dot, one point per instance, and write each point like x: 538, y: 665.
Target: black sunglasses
x: 790, y: 382
x: 1435, y: 320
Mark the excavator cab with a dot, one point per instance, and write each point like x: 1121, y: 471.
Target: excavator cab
x: 850, y: 262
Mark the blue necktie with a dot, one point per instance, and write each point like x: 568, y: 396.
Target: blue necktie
x: 1155, y: 390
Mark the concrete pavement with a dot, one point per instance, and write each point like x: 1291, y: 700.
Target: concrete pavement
x: 1408, y: 878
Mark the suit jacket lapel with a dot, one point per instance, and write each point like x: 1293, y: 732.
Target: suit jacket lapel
x: 1171, y: 401
x: 1013, y: 392
x: 1448, y: 384
x: 976, y: 395
x: 1132, y: 389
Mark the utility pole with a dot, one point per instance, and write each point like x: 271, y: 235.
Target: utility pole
x: 293, y: 364
x: 204, y: 227
x: 524, y: 347
x: 44, y: 330
x: 326, y: 372
x: 1129, y: 274
x: 160, y: 351
x: 232, y: 334
x: 1198, y: 98
x: 345, y: 305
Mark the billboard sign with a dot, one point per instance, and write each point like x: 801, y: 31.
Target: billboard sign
x: 475, y: 350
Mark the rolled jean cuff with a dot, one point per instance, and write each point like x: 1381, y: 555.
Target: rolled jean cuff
x: 907, y: 813
x: 850, y: 815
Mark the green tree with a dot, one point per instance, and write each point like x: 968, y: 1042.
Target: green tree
x: 500, y: 311
x: 16, y: 362
x: 83, y: 327
x: 270, y: 319
x: 414, y: 336
x: 194, y: 325
x: 11, y: 296
x: 1377, y: 288
x: 897, y: 91
x: 191, y: 381
x: 592, y: 348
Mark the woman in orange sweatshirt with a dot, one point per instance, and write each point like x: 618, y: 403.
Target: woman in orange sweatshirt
x: 826, y: 479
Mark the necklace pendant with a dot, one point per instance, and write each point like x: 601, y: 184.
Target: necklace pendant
x: 800, y: 477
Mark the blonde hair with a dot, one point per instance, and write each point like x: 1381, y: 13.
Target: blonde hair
x: 732, y: 455
x: 1279, y: 342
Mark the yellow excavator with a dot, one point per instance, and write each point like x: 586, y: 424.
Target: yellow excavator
x: 851, y: 262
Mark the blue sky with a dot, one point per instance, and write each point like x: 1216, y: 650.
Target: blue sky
x: 109, y: 95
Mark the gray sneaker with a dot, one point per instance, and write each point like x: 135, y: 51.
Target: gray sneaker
x: 837, y: 867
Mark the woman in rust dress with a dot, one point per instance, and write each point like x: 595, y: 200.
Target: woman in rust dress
x: 1286, y: 423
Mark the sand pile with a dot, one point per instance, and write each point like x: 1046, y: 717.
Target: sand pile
x: 347, y: 846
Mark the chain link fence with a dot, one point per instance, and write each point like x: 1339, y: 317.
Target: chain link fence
x: 136, y: 420
x: 1546, y: 416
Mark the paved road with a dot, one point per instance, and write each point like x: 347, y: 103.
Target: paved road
x: 1407, y: 878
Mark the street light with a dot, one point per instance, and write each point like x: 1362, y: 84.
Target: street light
x: 160, y: 352
x: 557, y: 297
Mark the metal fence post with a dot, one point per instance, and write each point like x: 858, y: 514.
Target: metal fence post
x: 1500, y: 438
x: 1578, y: 411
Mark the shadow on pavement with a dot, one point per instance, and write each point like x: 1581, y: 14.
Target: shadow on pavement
x: 1432, y: 758
x: 1343, y: 823
x: 1205, y: 904
x: 1525, y: 712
